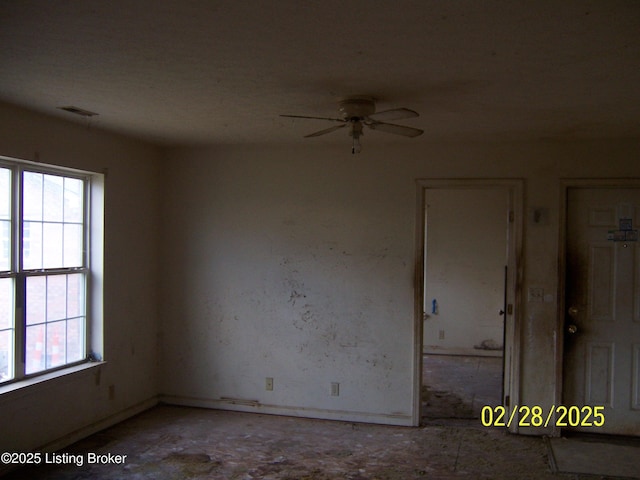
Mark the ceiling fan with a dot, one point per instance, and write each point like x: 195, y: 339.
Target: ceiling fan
x: 360, y: 111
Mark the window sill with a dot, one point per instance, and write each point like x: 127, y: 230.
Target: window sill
x: 24, y: 386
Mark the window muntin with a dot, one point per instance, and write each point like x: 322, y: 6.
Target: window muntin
x: 44, y: 271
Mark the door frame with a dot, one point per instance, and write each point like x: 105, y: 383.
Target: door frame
x: 565, y: 185
x: 511, y: 352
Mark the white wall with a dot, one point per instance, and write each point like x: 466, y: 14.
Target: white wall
x: 466, y: 254
x: 58, y: 411
x: 296, y: 267
x: 298, y: 264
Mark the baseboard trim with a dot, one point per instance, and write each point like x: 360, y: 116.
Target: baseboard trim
x: 470, y: 352
x: 253, y: 406
x: 107, y: 422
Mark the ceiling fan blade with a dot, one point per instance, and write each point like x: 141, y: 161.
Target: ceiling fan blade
x: 395, y: 114
x: 326, y: 130
x: 316, y: 118
x: 396, y: 129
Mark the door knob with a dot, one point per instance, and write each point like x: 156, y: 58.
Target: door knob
x: 573, y: 311
x: 572, y: 328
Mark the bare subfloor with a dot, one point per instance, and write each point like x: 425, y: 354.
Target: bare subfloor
x: 189, y: 443
x: 457, y: 387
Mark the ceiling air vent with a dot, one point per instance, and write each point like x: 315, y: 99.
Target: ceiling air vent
x: 78, y: 111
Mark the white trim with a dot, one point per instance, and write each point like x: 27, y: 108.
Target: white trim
x: 12, y: 391
x: 253, y: 406
x: 467, y: 352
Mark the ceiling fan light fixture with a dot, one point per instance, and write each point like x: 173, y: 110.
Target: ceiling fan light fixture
x: 356, y: 132
x: 359, y: 111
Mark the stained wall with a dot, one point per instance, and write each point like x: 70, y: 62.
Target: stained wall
x: 298, y: 263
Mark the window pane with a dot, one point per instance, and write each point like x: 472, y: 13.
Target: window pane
x: 5, y: 245
x: 73, y: 245
x: 56, y: 344
x: 5, y: 219
x: 5, y: 194
x: 35, y: 349
x: 75, y: 295
x: 53, y: 198
x: 55, y: 320
x: 6, y: 329
x: 52, y: 245
x: 32, y: 245
x: 73, y: 200
x: 6, y: 303
x: 32, y: 196
x: 56, y: 297
x: 36, y: 299
x: 53, y: 227
x: 6, y: 355
x: 75, y: 340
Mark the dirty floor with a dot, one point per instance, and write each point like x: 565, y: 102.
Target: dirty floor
x: 189, y: 443
x: 167, y: 443
x: 457, y: 387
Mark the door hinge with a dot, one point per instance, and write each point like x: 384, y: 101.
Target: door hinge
x: 511, y: 216
x: 510, y: 309
x: 507, y: 401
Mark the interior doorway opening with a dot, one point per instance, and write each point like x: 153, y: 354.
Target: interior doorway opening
x: 467, y: 298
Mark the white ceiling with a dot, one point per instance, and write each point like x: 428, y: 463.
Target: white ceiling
x: 211, y: 72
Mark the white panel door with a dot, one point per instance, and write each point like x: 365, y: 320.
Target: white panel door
x: 602, y: 321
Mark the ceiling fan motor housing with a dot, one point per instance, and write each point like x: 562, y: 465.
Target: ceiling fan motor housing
x: 357, y: 107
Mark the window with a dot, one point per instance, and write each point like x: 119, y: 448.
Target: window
x: 44, y: 269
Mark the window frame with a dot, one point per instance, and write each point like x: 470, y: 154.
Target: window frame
x: 92, y: 268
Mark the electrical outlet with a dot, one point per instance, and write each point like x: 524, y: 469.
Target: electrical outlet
x: 335, y: 389
x: 268, y: 384
x: 441, y: 335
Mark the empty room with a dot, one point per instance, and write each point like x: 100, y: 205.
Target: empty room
x: 319, y: 240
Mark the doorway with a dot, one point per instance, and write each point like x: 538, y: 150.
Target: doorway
x: 601, y: 312
x: 469, y: 240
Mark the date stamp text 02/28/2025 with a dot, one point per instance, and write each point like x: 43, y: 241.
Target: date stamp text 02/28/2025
x: 536, y: 416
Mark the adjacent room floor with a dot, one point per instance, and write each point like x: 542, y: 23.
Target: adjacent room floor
x: 189, y: 443
x: 457, y: 387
